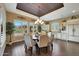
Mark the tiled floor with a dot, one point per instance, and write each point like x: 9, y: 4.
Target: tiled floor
x: 60, y: 48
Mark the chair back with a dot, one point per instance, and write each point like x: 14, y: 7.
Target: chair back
x: 43, y: 33
x: 51, y: 36
x: 43, y: 41
x: 28, y: 40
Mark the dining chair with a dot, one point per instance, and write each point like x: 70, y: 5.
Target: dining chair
x: 28, y: 43
x: 51, y: 37
x: 44, y: 42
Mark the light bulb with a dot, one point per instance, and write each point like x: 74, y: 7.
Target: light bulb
x: 40, y: 21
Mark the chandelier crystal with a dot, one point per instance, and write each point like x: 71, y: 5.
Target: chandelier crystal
x: 38, y: 21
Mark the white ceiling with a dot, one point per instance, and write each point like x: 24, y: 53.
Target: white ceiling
x: 60, y: 13
x: 11, y: 7
x: 63, y: 12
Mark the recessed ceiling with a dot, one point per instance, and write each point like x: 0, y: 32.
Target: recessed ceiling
x: 63, y: 12
x: 39, y: 9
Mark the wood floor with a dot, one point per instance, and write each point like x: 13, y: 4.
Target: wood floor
x: 60, y: 48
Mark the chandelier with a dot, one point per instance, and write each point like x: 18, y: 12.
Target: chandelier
x: 38, y: 21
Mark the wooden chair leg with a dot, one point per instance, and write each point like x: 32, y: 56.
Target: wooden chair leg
x: 39, y: 51
x: 30, y: 50
x: 26, y: 49
x: 45, y: 49
x: 52, y: 46
x: 48, y: 48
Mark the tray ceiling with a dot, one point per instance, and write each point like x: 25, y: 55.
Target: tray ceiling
x: 39, y: 9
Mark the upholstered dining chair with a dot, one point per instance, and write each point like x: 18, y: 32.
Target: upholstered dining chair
x: 51, y: 37
x: 28, y: 43
x: 44, y: 40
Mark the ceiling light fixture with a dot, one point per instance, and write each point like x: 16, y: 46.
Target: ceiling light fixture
x: 39, y: 21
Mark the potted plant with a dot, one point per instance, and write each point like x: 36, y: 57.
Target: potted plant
x: 9, y: 29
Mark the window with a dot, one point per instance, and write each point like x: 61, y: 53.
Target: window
x: 1, y: 27
x: 20, y: 26
x: 55, y: 26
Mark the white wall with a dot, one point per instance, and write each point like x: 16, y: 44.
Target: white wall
x: 3, y: 39
x: 73, y: 36
x: 68, y: 33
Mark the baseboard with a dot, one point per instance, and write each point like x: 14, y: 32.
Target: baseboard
x: 68, y: 41
x: 73, y: 41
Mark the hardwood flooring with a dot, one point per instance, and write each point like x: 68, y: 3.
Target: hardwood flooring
x: 60, y: 48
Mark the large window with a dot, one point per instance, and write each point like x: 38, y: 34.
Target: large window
x: 20, y: 26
